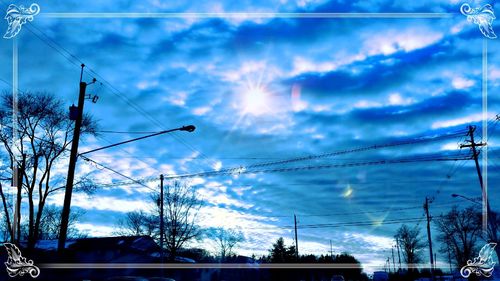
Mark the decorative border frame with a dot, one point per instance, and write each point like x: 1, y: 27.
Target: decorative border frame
x: 482, y: 16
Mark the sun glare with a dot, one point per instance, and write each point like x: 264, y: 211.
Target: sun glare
x: 256, y: 101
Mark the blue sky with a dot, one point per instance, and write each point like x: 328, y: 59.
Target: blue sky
x: 269, y: 89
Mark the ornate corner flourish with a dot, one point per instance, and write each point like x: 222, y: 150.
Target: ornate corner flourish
x: 481, y: 265
x: 17, y: 16
x: 483, y: 17
x: 17, y: 264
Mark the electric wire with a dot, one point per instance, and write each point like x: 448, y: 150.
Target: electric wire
x: 74, y: 59
x: 114, y: 171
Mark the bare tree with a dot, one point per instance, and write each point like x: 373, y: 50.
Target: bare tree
x: 51, y: 223
x: 181, y: 208
x: 6, y: 225
x: 41, y: 131
x: 459, y: 231
x: 226, y: 240
x: 411, y: 244
x: 139, y: 223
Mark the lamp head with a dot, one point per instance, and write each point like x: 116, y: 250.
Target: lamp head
x: 189, y: 128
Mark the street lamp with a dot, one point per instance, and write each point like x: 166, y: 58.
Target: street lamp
x: 71, y: 172
x: 466, y: 198
x: 189, y: 128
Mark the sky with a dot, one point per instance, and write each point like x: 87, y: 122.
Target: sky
x: 266, y: 89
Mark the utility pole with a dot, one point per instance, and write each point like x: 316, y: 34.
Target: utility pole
x: 399, y: 256
x: 426, y: 208
x: 475, y: 155
x: 72, y: 164
x: 296, y: 240
x: 393, y: 262
x: 161, y: 218
x: 488, y: 220
x: 331, y: 249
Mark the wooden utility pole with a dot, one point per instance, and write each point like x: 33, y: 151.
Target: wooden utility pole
x: 472, y: 144
x: 393, y: 262
x: 296, y: 240
x: 71, y: 168
x: 488, y: 220
x: 161, y: 218
x: 399, y: 256
x: 331, y: 249
x: 426, y: 208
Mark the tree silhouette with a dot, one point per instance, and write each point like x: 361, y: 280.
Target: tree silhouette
x: 181, y: 208
x: 35, y: 134
x: 226, y: 240
x: 279, y: 253
x: 459, y: 232
x: 411, y: 243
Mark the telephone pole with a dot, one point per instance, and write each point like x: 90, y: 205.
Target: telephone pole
x: 72, y: 164
x: 331, y: 249
x: 393, y: 262
x: 296, y: 240
x: 161, y: 218
x: 399, y: 256
x: 488, y: 220
x: 426, y: 208
x: 472, y: 144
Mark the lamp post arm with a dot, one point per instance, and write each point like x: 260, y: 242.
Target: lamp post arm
x: 189, y: 128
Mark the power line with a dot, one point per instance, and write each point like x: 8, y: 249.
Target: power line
x: 344, y: 224
x: 361, y: 149
x: 76, y: 61
x: 138, y: 159
x: 90, y: 160
x: 114, y: 171
x: 393, y: 210
x: 330, y: 154
x: 363, y: 213
x: 244, y: 170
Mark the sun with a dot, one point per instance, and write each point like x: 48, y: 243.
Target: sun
x: 256, y: 101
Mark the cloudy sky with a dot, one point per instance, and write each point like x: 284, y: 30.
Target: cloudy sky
x: 261, y: 90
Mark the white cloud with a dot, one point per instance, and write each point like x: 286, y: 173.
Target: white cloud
x: 397, y: 99
x: 390, y: 41
x: 178, y: 99
x: 458, y: 121
x: 462, y: 83
x: 95, y: 230
x: 101, y: 203
x: 366, y: 104
x: 201, y: 110
x: 370, y: 241
x: 450, y: 146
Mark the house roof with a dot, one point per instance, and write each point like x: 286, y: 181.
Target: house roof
x: 137, y: 243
